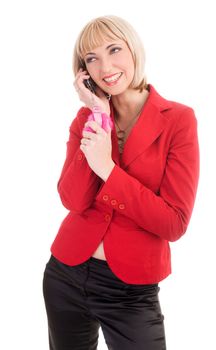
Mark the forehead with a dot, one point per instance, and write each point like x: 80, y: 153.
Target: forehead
x: 95, y: 37
x: 106, y: 45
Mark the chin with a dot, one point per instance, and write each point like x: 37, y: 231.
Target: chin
x: 118, y: 90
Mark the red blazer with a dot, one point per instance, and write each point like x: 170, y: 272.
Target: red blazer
x: 146, y: 201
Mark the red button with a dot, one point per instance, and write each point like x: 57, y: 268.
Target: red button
x: 105, y: 197
x: 80, y: 157
x: 107, y: 217
x: 121, y: 206
x: 113, y: 202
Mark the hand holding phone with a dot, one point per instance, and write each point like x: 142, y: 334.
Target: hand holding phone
x: 90, y: 93
x: 91, y: 85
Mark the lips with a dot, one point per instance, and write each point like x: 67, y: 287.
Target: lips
x: 112, y: 78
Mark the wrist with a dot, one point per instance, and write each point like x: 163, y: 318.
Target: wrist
x: 106, y: 173
x: 97, y: 108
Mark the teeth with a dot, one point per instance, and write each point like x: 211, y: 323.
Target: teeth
x: 113, y: 78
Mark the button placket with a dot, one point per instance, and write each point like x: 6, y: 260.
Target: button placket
x: 105, y: 197
x: 113, y: 201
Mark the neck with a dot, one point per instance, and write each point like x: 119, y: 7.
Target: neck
x: 128, y: 104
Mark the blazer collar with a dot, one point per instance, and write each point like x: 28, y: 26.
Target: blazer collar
x: 147, y: 128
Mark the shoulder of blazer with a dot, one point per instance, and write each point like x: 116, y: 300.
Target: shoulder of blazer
x: 170, y: 110
x: 162, y: 103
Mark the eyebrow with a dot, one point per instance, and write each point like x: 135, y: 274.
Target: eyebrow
x: 93, y: 53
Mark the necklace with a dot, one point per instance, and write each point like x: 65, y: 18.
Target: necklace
x: 121, y: 134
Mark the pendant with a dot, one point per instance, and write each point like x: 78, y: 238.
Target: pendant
x: 121, y: 136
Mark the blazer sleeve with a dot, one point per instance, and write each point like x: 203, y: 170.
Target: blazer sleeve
x: 78, y: 184
x: 166, y: 213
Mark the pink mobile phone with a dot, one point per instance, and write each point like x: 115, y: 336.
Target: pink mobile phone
x: 101, y: 118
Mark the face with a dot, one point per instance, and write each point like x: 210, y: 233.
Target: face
x: 111, y: 66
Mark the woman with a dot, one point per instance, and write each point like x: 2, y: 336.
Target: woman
x: 129, y: 188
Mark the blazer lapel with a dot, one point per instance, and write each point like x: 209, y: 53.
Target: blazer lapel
x: 146, y: 130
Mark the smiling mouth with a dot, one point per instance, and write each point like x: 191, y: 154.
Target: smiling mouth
x: 113, y: 78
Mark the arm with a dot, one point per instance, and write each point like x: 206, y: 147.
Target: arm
x: 167, y: 212
x: 78, y: 184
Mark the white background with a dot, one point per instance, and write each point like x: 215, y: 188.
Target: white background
x: 38, y: 103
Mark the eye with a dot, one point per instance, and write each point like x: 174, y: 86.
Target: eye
x: 113, y: 50
x: 90, y: 59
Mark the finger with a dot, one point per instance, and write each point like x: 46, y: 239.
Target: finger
x: 90, y: 135
x: 87, y: 140
x: 83, y: 77
x: 96, y: 127
x: 81, y: 74
x: 84, y: 141
x: 109, y: 131
x: 80, y: 71
x: 79, y: 80
x: 83, y: 148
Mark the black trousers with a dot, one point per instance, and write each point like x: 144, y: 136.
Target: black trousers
x: 80, y: 299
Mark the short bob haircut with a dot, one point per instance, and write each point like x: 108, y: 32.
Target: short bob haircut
x: 106, y: 28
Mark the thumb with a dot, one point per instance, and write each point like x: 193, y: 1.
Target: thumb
x: 109, y: 131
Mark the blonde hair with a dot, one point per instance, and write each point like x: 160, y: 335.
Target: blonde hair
x: 107, y: 28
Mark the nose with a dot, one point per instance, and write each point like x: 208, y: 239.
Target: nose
x: 105, y: 67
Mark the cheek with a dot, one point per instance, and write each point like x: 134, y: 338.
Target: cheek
x: 130, y: 63
x: 127, y: 65
x: 92, y: 70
